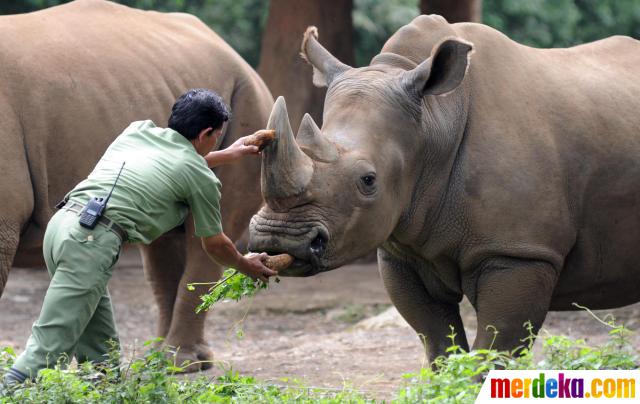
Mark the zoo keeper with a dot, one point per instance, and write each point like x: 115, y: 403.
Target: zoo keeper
x: 167, y: 172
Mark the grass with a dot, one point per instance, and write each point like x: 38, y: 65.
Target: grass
x: 152, y: 377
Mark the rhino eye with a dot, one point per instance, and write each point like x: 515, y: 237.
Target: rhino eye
x: 368, y: 184
x: 369, y: 180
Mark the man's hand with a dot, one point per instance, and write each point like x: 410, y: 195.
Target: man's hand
x: 253, y: 266
x: 239, y: 149
x: 245, y: 146
x: 222, y: 250
x: 261, y: 138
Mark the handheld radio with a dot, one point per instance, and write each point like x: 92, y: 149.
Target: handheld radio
x: 95, y: 207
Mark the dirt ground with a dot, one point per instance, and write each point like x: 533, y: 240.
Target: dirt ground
x: 324, y: 331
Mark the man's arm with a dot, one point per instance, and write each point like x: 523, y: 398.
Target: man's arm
x: 222, y: 250
x: 232, y: 153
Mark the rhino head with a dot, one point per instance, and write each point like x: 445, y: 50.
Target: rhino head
x: 334, y: 194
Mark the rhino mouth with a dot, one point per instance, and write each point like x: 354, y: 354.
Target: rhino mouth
x: 305, y: 241
x: 311, y: 264
x: 300, y: 268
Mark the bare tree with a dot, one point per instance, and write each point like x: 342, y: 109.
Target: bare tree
x: 454, y: 10
x: 280, y: 64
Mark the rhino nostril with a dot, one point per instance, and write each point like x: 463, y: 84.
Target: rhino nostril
x: 317, y: 246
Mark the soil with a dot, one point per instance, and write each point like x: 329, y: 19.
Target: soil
x: 325, y: 331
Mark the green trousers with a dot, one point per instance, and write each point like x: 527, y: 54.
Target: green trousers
x: 77, y: 316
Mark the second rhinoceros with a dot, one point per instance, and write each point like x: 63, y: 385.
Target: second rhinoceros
x: 477, y: 166
x: 72, y: 78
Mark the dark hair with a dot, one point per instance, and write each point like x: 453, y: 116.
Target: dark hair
x: 198, y: 109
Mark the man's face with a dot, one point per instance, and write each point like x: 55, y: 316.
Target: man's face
x: 213, y: 139
x: 207, y: 140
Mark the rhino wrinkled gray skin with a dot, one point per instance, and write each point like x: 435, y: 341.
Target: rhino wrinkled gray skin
x: 477, y: 167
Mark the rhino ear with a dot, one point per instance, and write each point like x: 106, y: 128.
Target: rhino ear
x: 326, y: 67
x: 443, y: 71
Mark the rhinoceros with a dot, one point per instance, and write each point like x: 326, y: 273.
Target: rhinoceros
x: 477, y: 167
x: 72, y: 78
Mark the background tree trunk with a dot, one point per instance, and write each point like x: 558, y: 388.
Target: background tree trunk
x: 454, y: 10
x: 281, y: 66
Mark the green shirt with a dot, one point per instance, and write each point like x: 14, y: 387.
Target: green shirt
x: 162, y: 179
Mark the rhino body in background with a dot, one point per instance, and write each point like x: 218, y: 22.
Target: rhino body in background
x: 477, y: 166
x: 72, y: 78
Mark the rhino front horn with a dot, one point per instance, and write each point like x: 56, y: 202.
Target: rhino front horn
x: 311, y: 139
x: 286, y: 170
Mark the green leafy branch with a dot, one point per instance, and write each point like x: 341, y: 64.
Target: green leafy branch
x: 233, y: 286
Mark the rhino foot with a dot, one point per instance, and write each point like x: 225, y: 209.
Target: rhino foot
x: 194, y: 358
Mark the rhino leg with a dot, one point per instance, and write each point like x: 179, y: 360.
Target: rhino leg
x: 238, y: 203
x: 430, y: 318
x: 186, y: 331
x: 511, y: 292
x: 241, y: 198
x: 9, y: 238
x: 16, y: 190
x: 163, y: 262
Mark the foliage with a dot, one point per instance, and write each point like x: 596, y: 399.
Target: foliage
x: 561, y: 352
x: 375, y: 21
x: 560, y: 23
x: 455, y: 379
x: 540, y: 23
x: 239, y: 22
x: 232, y: 286
x: 151, y: 377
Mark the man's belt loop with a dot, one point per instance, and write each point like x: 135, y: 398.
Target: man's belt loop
x: 75, y: 207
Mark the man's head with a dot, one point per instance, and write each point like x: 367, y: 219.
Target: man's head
x: 199, y: 115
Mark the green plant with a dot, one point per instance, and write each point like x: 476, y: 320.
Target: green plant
x: 7, y: 354
x: 561, y: 352
x: 457, y: 378
x: 150, y: 377
x: 232, y: 286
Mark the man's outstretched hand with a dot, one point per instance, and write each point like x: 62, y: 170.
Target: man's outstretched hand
x: 245, y: 146
x: 253, y: 266
x: 261, y: 138
x: 240, y: 149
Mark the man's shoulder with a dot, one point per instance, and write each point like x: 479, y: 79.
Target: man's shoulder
x: 147, y: 134
x: 145, y: 126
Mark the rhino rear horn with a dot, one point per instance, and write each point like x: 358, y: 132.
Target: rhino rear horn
x: 286, y: 170
x: 326, y: 67
x: 311, y: 139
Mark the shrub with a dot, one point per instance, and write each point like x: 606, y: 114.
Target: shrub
x: 151, y: 377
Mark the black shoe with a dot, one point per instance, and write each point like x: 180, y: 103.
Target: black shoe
x: 13, y: 377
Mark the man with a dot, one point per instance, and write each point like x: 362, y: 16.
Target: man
x: 166, y: 173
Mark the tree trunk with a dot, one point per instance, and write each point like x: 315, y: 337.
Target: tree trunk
x: 281, y: 66
x: 454, y: 10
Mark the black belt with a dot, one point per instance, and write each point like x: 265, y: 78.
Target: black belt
x: 108, y: 223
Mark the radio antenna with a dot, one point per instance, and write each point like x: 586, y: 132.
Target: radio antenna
x: 114, y: 183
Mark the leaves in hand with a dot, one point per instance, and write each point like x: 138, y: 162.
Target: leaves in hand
x: 232, y: 286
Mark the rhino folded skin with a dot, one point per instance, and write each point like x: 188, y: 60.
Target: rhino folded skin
x: 261, y: 138
x: 278, y: 262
